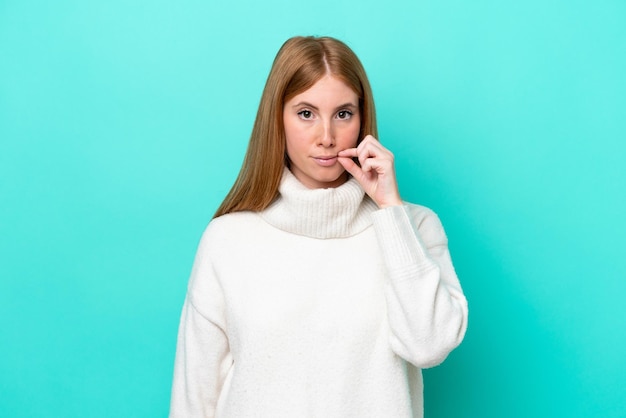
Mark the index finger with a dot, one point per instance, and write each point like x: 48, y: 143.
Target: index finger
x: 349, y: 152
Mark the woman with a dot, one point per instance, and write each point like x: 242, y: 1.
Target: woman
x: 316, y: 292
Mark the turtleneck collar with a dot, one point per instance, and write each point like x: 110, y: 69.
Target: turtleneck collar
x: 337, y: 212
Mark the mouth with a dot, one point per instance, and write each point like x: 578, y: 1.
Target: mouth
x: 326, y: 160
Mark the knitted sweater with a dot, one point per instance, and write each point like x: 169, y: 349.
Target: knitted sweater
x: 320, y: 306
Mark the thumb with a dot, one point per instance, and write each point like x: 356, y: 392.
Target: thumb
x: 350, y: 166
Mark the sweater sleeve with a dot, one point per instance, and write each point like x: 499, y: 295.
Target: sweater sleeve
x: 203, y: 358
x: 427, y: 310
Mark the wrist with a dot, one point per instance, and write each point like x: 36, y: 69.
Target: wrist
x: 393, y: 202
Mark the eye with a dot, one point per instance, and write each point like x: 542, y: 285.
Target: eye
x: 305, y: 114
x: 344, y: 114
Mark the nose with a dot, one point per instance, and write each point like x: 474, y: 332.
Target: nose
x: 327, y: 136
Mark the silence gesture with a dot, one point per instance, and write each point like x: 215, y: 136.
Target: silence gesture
x: 376, y: 173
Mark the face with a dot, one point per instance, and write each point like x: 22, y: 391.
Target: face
x: 319, y: 123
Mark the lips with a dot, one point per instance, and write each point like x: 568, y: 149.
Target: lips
x: 326, y: 160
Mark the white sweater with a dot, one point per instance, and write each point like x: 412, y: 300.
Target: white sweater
x: 321, y: 306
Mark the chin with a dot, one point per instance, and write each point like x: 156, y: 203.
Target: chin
x: 332, y: 179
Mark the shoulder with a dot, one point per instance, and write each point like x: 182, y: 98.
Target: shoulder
x: 229, y: 228
x: 231, y: 222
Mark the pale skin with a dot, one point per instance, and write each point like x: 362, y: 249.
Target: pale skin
x: 321, y: 128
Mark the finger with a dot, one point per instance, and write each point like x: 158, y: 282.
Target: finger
x: 373, y: 148
x: 349, y: 152
x: 350, y: 166
x: 377, y: 165
x: 371, y: 151
x: 368, y: 152
x: 369, y: 138
x: 363, y: 152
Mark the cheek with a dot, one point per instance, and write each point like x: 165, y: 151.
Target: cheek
x: 291, y: 148
x: 293, y: 143
x: 351, y: 134
x: 291, y: 135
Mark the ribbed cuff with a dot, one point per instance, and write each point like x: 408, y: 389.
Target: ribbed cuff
x: 399, y: 239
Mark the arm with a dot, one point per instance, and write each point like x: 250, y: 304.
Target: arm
x: 427, y: 310
x: 203, y: 358
x: 426, y: 307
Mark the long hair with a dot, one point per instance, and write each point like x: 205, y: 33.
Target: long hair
x: 299, y: 64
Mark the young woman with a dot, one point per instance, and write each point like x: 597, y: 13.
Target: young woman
x: 316, y: 291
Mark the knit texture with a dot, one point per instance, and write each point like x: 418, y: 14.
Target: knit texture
x: 321, y: 306
x: 320, y: 213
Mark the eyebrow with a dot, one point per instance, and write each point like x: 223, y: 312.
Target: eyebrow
x: 307, y: 104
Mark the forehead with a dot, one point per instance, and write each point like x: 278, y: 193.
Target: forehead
x: 328, y: 90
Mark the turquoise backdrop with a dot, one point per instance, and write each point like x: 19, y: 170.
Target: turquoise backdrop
x: 124, y: 123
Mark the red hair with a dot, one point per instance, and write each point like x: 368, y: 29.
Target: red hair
x: 299, y: 64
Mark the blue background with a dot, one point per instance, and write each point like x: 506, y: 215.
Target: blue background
x: 123, y: 125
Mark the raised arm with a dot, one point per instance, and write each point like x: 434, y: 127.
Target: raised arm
x: 425, y: 303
